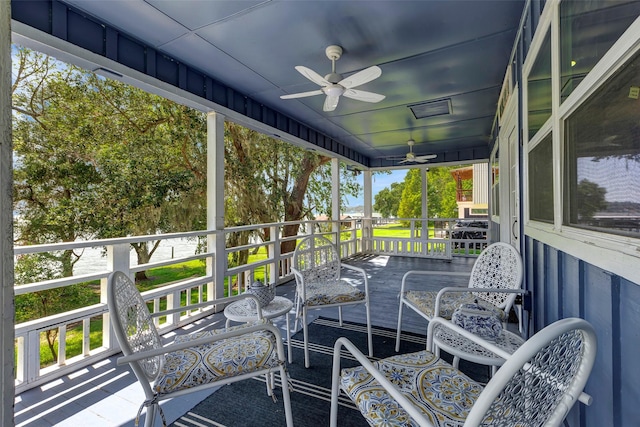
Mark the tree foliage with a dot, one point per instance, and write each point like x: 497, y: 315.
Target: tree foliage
x: 97, y: 158
x: 441, y: 194
x: 387, y: 201
x: 592, y: 199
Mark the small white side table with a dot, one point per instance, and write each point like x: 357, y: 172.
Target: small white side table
x: 241, y: 311
x: 463, y: 348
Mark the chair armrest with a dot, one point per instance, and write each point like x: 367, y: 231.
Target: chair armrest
x: 441, y: 292
x: 200, y: 341
x: 430, y: 273
x: 413, y: 412
x: 361, y: 271
x: 584, y: 397
x: 225, y: 300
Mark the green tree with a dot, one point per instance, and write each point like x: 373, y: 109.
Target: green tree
x: 268, y: 180
x: 387, y: 201
x: 592, y: 199
x: 411, y: 200
x: 97, y: 158
x: 441, y: 194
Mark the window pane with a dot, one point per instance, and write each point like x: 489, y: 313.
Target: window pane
x: 603, y: 157
x: 587, y: 30
x: 541, y: 181
x: 539, y: 88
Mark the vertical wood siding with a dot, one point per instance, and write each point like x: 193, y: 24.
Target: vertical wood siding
x: 565, y: 286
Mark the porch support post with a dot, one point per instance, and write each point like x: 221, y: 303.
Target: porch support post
x: 6, y: 222
x: 335, y: 199
x: 425, y: 210
x: 367, y: 223
x: 215, y: 204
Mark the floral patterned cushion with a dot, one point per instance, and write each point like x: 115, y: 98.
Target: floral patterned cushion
x: 444, y: 394
x: 332, y: 292
x: 426, y: 301
x: 215, y: 361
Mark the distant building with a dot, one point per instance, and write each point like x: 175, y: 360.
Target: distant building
x: 472, y: 202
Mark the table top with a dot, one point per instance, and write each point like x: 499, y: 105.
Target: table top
x: 457, y: 345
x: 241, y: 311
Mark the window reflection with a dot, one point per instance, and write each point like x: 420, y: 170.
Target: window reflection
x: 587, y: 30
x: 541, y: 181
x: 539, y: 88
x: 603, y: 157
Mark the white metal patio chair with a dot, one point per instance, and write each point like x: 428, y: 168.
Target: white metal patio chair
x: 537, y: 385
x: 194, y: 361
x: 494, y: 281
x: 317, y: 269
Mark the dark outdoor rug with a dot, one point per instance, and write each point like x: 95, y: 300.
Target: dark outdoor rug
x: 246, y: 404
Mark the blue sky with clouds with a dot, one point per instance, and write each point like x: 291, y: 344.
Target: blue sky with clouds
x: 379, y: 181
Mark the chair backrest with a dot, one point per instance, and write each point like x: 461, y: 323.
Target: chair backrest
x: 498, y: 266
x: 316, y: 259
x: 542, y: 380
x: 132, y: 323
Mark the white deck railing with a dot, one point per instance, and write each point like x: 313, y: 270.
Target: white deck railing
x: 356, y: 236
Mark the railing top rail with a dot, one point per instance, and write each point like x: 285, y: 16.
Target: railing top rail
x: 50, y: 247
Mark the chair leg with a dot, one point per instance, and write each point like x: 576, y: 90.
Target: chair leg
x: 297, y: 300
x: 369, y: 335
x: 399, y: 327
x: 340, y: 314
x: 150, y: 416
x: 305, y: 333
x: 286, y: 397
x: 270, y: 382
x: 456, y: 361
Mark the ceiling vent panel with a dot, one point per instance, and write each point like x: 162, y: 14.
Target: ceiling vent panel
x: 431, y: 109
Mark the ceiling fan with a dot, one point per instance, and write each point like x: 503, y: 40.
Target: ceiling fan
x: 333, y: 85
x: 411, y: 157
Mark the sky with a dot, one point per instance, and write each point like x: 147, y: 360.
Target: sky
x: 378, y: 182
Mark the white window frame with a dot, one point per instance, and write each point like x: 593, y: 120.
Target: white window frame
x: 617, y: 254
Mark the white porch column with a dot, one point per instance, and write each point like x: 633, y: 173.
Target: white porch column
x: 335, y: 198
x: 425, y: 210
x: 6, y: 221
x: 367, y: 223
x: 215, y: 203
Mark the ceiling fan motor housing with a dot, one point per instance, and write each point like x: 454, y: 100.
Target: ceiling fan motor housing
x: 333, y: 78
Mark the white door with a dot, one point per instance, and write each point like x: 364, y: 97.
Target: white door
x: 509, y: 162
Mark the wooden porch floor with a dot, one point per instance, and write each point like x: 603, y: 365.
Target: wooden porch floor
x: 107, y: 395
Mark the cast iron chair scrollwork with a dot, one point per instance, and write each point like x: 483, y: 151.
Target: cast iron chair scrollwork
x: 537, y: 385
x: 317, y: 269
x: 193, y: 361
x: 497, y: 268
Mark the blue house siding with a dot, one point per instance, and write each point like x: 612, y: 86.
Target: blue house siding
x: 565, y: 286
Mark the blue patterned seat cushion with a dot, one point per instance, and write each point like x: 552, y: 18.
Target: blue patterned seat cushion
x: 219, y: 360
x: 333, y: 292
x: 444, y: 394
x: 426, y: 301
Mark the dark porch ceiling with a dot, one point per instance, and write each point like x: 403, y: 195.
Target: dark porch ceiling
x: 453, y: 51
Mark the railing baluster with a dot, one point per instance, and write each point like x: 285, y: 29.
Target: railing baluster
x: 62, y: 345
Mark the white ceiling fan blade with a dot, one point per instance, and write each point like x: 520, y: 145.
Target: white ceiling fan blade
x: 330, y: 103
x: 361, y: 77
x: 302, y: 94
x: 426, y: 157
x: 312, y: 75
x: 362, y: 95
